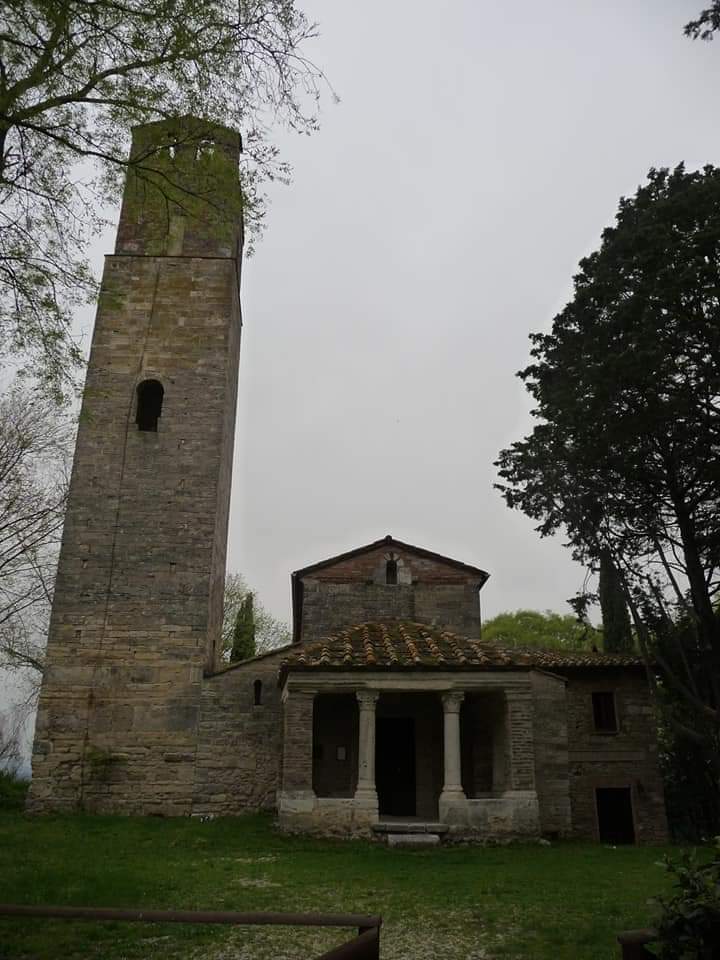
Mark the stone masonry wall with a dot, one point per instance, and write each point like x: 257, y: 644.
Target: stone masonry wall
x: 627, y: 758
x: 354, y: 591
x: 136, y: 604
x: 239, y: 743
x: 551, y: 753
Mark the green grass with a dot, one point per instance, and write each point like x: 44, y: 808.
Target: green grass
x: 562, y: 901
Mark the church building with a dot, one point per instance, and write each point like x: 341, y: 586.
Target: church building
x: 387, y: 713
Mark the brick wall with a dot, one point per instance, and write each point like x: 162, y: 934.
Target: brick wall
x: 297, y: 761
x: 521, y: 739
x: 627, y: 758
x: 551, y: 753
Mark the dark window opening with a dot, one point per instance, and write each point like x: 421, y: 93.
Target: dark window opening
x: 615, y: 815
x: 391, y: 572
x: 257, y: 690
x: 149, y: 404
x: 395, y: 774
x: 604, y: 715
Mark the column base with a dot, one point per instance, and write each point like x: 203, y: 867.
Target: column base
x: 449, y: 801
x: 296, y: 801
x: 451, y: 795
x: 366, y: 800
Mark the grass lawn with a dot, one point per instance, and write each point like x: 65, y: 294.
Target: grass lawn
x: 557, y: 902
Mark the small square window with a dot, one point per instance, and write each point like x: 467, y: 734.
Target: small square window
x: 604, y: 714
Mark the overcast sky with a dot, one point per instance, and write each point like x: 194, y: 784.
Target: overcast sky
x: 435, y: 220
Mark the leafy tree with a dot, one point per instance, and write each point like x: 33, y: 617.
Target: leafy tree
x: 74, y: 77
x: 706, y: 24
x: 688, y: 922
x: 35, y: 439
x: 617, y: 632
x: 625, y: 454
x: 531, y: 628
x: 243, y: 646
x: 270, y: 633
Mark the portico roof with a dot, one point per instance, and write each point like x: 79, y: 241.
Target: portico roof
x: 405, y: 645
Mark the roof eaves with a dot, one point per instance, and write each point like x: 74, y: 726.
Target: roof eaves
x: 387, y: 541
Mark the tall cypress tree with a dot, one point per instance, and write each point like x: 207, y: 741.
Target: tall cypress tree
x: 244, y: 633
x: 617, y: 632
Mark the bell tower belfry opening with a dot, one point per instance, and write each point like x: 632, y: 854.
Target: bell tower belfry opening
x: 138, y: 601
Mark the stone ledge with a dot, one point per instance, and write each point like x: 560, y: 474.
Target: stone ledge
x: 409, y: 827
x: 413, y: 839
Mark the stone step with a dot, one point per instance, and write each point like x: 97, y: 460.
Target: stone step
x: 410, y: 827
x: 413, y: 839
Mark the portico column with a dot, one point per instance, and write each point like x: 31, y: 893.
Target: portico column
x: 365, y: 793
x: 452, y: 788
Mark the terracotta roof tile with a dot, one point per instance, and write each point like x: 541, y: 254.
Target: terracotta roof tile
x: 400, y: 644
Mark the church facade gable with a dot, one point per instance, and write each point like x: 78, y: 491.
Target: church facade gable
x: 386, y: 579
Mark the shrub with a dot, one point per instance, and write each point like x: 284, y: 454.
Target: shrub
x: 12, y: 791
x: 689, y: 920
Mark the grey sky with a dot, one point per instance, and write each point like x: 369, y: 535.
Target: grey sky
x: 437, y: 218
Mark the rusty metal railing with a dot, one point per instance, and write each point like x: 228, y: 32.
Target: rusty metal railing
x: 633, y: 944
x: 365, y: 946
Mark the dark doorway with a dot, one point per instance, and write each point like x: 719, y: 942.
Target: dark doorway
x: 395, y: 766
x: 615, y: 815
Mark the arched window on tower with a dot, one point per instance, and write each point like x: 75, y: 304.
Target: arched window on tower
x: 257, y: 690
x: 149, y: 404
x: 391, y: 572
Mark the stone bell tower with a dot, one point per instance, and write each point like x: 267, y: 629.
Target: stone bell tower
x: 138, y: 601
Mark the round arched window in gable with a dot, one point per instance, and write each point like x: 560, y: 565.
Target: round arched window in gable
x: 149, y: 404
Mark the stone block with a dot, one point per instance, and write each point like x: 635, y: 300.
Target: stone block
x: 413, y: 840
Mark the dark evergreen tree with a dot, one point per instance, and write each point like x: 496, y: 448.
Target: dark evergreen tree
x: 625, y: 452
x: 244, y: 633
x: 617, y: 632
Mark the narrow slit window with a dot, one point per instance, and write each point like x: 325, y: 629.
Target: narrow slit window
x: 257, y: 692
x: 604, y: 714
x: 149, y: 404
x: 391, y: 572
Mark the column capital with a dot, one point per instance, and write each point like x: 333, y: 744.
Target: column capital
x: 367, y: 698
x: 452, y: 700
